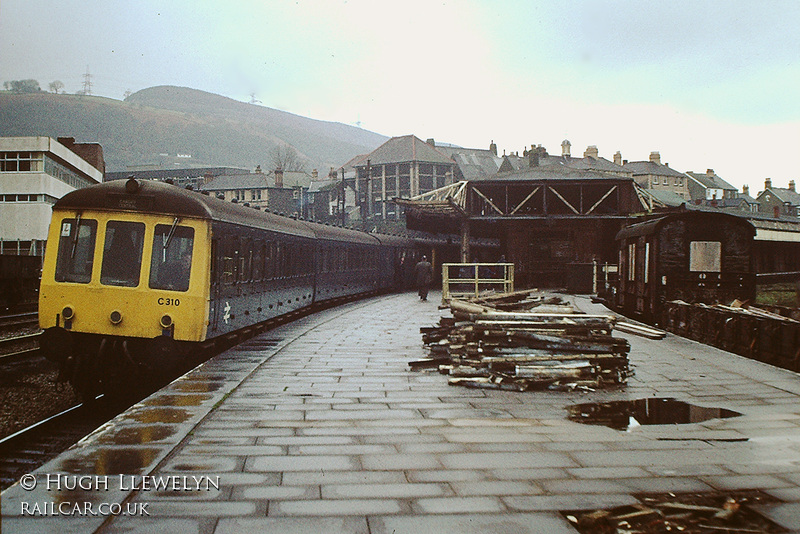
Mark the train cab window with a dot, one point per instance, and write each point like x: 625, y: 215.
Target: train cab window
x: 122, y: 254
x: 171, y: 262
x: 76, y: 250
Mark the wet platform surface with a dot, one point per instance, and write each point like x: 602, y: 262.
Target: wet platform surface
x: 319, y: 426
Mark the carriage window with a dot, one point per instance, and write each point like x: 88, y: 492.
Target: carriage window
x: 122, y: 254
x: 269, y: 261
x: 245, y: 260
x: 228, y: 261
x: 705, y: 256
x: 258, y: 260
x: 171, y: 263
x: 632, y: 261
x: 76, y: 250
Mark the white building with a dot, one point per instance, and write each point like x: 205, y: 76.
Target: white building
x: 34, y: 173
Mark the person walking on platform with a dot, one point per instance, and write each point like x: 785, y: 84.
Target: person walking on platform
x: 423, y: 272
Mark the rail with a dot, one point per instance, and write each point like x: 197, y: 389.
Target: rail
x: 473, y: 279
x: 19, y: 319
x: 14, y: 347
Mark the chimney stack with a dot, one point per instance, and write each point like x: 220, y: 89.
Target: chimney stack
x: 746, y: 190
x: 533, y: 157
x: 431, y: 141
x: 791, y: 186
x: 618, y: 158
x: 314, y: 174
x: 655, y: 157
x: 565, y: 144
x: 493, y: 148
x: 709, y: 172
x: 591, y: 152
x: 278, y: 177
x: 767, y: 184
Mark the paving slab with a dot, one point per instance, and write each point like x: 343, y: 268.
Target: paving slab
x: 326, y: 429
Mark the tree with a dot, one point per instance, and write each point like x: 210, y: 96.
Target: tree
x: 22, y: 86
x: 56, y: 86
x: 286, y: 158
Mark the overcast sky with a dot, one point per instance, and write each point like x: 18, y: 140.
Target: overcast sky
x: 712, y: 84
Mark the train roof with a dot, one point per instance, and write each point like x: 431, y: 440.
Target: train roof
x: 698, y: 217
x: 337, y: 233
x: 162, y: 198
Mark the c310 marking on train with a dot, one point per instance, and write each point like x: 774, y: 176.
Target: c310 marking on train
x: 167, y: 301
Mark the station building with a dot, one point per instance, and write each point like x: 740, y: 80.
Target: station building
x: 34, y: 173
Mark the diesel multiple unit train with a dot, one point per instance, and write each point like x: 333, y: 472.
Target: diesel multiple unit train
x: 140, y: 276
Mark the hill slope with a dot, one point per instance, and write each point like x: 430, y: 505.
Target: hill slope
x: 214, y: 130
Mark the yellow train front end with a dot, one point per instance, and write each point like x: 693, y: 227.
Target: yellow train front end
x: 123, y: 294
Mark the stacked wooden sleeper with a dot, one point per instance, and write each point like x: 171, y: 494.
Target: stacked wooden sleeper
x: 553, y: 347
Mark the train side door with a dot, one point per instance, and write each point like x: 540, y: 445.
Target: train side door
x: 213, y: 314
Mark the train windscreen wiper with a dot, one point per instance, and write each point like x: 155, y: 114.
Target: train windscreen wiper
x: 168, y: 239
x: 74, y: 244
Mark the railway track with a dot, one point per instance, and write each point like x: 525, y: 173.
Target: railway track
x: 32, y: 447
x: 19, y: 320
x: 19, y: 347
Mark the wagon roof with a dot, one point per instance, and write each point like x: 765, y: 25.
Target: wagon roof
x: 652, y: 225
x: 161, y: 198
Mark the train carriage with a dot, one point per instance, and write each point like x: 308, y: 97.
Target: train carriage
x: 348, y: 262
x: 695, y: 256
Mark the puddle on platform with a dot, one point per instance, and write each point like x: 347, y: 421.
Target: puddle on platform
x: 138, y: 435
x: 624, y: 415
x: 177, y: 400
x: 110, y: 462
x: 196, y: 386
x: 161, y: 415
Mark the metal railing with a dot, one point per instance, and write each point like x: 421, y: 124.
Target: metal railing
x: 473, y: 279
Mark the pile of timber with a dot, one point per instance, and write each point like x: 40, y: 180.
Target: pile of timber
x: 552, y: 347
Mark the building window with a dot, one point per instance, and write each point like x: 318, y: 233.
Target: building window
x: 655, y: 181
x: 60, y: 172
x: 21, y: 161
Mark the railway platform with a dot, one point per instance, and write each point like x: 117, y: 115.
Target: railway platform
x: 320, y: 426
